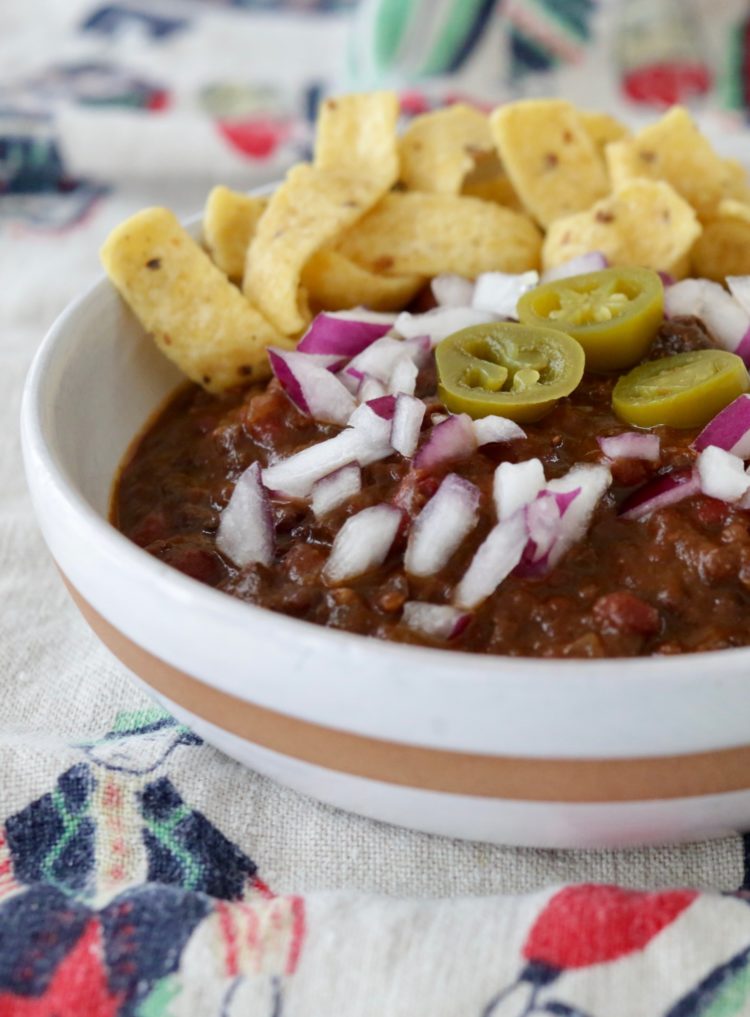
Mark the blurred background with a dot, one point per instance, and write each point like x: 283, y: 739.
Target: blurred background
x: 108, y: 106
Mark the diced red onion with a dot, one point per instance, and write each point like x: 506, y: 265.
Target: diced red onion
x: 739, y: 287
x: 440, y: 621
x: 366, y: 441
x: 494, y: 560
x: 345, y: 333
x: 723, y: 316
x: 577, y: 506
x: 384, y: 406
x: 666, y: 489
x: 246, y: 529
x: 452, y: 290
x: 407, y: 424
x: 438, y: 418
x: 499, y: 292
x: 442, y: 525
x: 515, y: 485
x: 420, y: 349
x: 453, y: 439
x: 403, y: 377
x: 362, y: 543
x: 311, y: 386
x: 721, y: 474
x: 729, y: 429
x: 493, y: 428
x: 440, y: 322
x: 373, y: 419
x: 380, y: 358
x: 544, y: 527
x: 370, y: 388
x: 335, y: 489
x: 594, y: 261
x: 667, y: 279
x: 631, y: 445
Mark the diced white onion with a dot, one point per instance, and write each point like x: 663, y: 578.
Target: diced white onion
x: 495, y: 559
x: 440, y: 322
x: 441, y: 621
x: 442, y: 525
x: 362, y: 543
x: 452, y: 290
x: 722, y: 475
x: 515, y: 485
x: 246, y: 529
x: 407, y: 424
x: 496, y: 429
x: 499, y: 292
x: 335, y: 489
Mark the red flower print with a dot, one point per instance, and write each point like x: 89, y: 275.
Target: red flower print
x: 78, y: 988
x: 592, y: 924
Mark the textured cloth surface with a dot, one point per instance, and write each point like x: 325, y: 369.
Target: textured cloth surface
x: 142, y: 872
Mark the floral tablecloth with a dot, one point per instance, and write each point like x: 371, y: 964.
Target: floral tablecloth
x: 141, y: 872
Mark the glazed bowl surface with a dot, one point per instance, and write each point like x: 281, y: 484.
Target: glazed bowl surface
x: 566, y: 753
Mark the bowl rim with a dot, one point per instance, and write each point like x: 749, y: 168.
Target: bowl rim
x: 60, y: 340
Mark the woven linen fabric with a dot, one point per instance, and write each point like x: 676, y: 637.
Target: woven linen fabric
x: 142, y: 872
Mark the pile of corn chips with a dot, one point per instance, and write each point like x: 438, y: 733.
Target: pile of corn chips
x: 375, y: 216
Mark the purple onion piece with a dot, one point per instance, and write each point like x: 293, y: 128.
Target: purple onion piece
x: 451, y: 440
x: 666, y: 489
x: 384, y: 406
x: 345, y: 334
x: 631, y: 445
x: 729, y: 429
x: 310, y: 385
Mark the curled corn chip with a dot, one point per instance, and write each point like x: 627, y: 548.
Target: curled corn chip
x: 433, y: 233
x: 335, y: 283
x: 674, y: 150
x: 196, y: 316
x: 724, y: 246
x: 356, y: 163
x: 439, y: 150
x: 602, y: 128
x: 552, y: 162
x: 229, y: 221
x: 644, y: 222
x: 357, y: 134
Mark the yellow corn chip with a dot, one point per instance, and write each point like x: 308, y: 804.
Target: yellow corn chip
x: 645, y: 222
x: 356, y: 163
x: 552, y: 162
x: 489, y: 181
x: 724, y: 246
x: 602, y: 128
x: 335, y: 283
x: 196, y: 316
x: 439, y: 150
x: 357, y: 134
x: 673, y: 149
x: 229, y: 221
x: 735, y: 184
x: 309, y: 211
x: 433, y: 233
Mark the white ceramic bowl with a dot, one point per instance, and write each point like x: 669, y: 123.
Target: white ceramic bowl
x: 548, y: 753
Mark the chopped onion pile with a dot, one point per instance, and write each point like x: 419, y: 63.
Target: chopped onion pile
x: 724, y: 317
x: 631, y: 445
